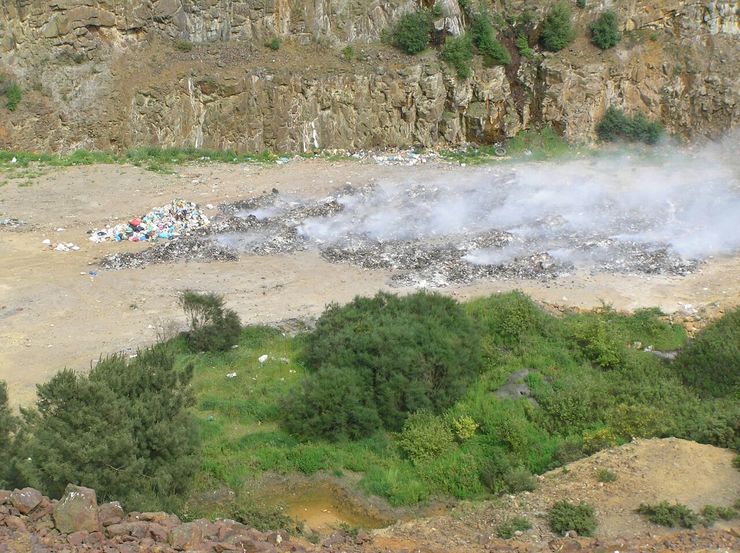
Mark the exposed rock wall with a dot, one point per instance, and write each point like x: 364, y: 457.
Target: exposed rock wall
x: 108, y: 74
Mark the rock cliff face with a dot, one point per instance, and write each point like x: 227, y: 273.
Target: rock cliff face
x: 121, y: 73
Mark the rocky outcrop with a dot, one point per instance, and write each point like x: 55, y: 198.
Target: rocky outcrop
x: 34, y: 523
x: 110, y: 74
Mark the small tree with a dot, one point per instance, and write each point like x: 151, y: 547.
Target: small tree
x: 458, y: 52
x: 411, y: 33
x: 557, y: 31
x: 125, y: 429
x: 484, y: 38
x: 615, y: 125
x: 212, y: 328
x: 605, y: 31
x: 8, y: 425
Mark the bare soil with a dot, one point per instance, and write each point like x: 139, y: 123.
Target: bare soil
x: 53, y: 313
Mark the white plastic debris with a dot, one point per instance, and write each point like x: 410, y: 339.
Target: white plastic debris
x: 231, y: 375
x: 46, y: 242
x: 262, y: 358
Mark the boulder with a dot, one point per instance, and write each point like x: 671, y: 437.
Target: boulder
x: 186, y: 536
x: 110, y: 513
x: 25, y: 500
x: 77, y: 511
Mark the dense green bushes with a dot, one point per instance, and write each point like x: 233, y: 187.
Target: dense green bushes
x: 412, y: 31
x: 401, y: 355
x: 557, y: 31
x: 457, y: 52
x: 605, y: 31
x: 212, y: 328
x: 615, y: 125
x: 8, y: 424
x: 711, y: 362
x: 125, y: 430
x: 485, y: 41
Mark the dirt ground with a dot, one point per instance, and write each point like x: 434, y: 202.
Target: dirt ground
x: 54, y: 314
x: 647, y: 471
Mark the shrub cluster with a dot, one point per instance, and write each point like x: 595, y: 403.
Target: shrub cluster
x: 605, y: 31
x: 508, y: 529
x: 125, y: 430
x: 212, y: 327
x: 12, y: 92
x: 711, y: 362
x: 412, y: 31
x: 374, y: 361
x: 458, y: 52
x: 564, y: 516
x: 484, y: 39
x: 615, y: 125
x: 8, y: 425
x: 665, y: 514
x: 557, y: 31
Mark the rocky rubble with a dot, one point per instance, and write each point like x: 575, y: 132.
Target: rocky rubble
x: 30, y: 522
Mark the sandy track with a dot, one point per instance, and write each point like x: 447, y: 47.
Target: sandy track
x: 52, y: 316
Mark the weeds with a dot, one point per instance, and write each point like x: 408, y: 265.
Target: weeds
x: 564, y: 516
x: 509, y: 529
x: 605, y: 476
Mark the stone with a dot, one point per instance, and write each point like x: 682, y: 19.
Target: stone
x: 76, y: 539
x: 110, y: 513
x: 4, y: 497
x: 15, y: 523
x: 25, y: 500
x: 77, y: 510
x: 186, y: 536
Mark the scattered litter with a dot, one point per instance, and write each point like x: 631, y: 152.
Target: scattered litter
x: 170, y: 221
x: 231, y: 375
x: 235, y: 346
x: 68, y: 247
x: 12, y: 222
x: 46, y: 242
x: 262, y: 358
x: 14, y: 160
x: 60, y: 229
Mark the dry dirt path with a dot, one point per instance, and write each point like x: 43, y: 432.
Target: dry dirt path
x: 54, y: 314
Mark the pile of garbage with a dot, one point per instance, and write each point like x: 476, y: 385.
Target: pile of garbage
x: 178, y: 218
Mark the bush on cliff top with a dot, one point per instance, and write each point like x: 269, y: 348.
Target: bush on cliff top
x: 605, y: 31
x: 412, y: 31
x: 557, y: 31
x: 125, y: 430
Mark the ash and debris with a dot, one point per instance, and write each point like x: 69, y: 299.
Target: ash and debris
x: 13, y: 224
x: 354, y: 226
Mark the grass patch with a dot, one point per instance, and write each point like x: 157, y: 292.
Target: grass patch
x: 509, y: 529
x: 605, y: 476
x: 564, y: 516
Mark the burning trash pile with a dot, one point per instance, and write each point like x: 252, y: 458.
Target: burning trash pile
x: 178, y: 218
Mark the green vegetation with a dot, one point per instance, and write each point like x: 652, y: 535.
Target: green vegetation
x: 183, y: 45
x: 564, y: 516
x: 522, y: 45
x: 615, y: 125
x: 348, y: 53
x: 711, y: 362
x: 605, y: 476
x: 712, y: 513
x: 458, y: 52
x: 8, y: 424
x: 557, y: 31
x: 508, y: 529
x: 391, y: 355
x: 534, y: 144
x: 581, y: 3
x: 484, y: 39
x: 412, y: 31
x: 401, y: 391
x: 274, y: 44
x: 212, y: 328
x: 605, y: 31
x: 125, y: 429
x: 669, y: 515
x: 12, y: 92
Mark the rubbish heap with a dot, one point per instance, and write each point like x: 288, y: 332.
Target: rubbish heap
x: 170, y: 221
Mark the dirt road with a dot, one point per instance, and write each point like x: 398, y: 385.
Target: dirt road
x: 54, y: 313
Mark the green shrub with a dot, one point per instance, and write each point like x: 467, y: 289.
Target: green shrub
x: 508, y: 529
x: 125, y: 430
x: 522, y: 44
x: 605, y: 31
x: 636, y: 421
x: 402, y: 354
x: 464, y: 427
x: 665, y: 514
x: 13, y: 96
x: 519, y: 480
x: 605, y: 476
x: 183, y: 45
x: 710, y: 364
x: 557, y: 31
x: 615, y: 125
x: 274, y: 44
x: 564, y: 516
x: 494, y: 469
x: 455, y: 474
x: 600, y: 344
x: 599, y: 439
x: 212, y: 328
x: 8, y: 426
x: 507, y: 318
x: 412, y: 31
x: 263, y: 517
x: 484, y: 39
x: 581, y: 3
x: 425, y: 437
x: 712, y: 513
x: 571, y: 449
x: 458, y: 52
x: 348, y: 53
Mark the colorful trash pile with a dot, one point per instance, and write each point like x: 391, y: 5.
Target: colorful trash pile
x: 175, y: 219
